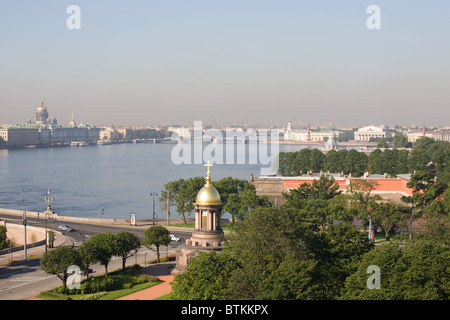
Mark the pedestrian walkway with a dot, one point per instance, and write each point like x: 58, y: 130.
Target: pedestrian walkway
x: 162, y: 271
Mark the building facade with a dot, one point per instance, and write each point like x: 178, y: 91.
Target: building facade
x: 436, y: 135
x: 109, y: 134
x: 366, y: 133
x: 18, y: 137
x: 274, y: 187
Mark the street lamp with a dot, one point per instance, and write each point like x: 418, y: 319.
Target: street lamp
x: 153, y: 194
x: 24, y: 225
x: 145, y: 262
x: 81, y: 233
x: 49, y: 200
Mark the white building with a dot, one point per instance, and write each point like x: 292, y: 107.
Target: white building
x: 308, y: 135
x: 436, y: 135
x: 365, y: 133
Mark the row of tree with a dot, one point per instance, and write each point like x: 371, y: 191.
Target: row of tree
x: 389, y: 161
x: 308, y: 249
x: 101, y: 248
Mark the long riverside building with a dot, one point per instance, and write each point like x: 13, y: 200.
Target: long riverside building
x: 274, y: 186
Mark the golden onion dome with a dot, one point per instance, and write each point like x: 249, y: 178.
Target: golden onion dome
x: 208, y: 195
x: 41, y: 107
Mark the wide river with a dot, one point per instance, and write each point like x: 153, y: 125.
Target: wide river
x: 116, y: 178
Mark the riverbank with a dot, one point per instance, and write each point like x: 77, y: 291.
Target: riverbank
x: 104, y: 221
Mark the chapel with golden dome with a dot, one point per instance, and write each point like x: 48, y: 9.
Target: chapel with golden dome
x: 208, y: 233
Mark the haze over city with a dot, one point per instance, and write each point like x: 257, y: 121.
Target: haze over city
x: 156, y: 62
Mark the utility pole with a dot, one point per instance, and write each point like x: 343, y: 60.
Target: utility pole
x: 154, y: 194
x: 168, y: 207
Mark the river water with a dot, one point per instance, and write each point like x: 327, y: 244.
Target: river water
x: 116, y: 178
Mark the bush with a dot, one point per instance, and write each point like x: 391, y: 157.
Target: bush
x: 94, y: 296
x: 95, y: 285
x: 149, y: 278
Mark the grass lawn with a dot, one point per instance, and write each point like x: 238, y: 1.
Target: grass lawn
x: 393, y: 236
x: 132, y: 280
x: 165, y: 297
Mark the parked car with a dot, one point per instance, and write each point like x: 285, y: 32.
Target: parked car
x: 86, y: 272
x: 173, y: 238
x: 64, y: 228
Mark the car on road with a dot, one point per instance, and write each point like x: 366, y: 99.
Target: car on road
x: 173, y: 238
x: 64, y: 228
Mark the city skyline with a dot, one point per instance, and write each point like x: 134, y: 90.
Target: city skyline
x: 153, y: 62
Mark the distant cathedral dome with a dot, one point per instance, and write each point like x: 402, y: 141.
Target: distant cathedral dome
x: 41, y: 108
x: 41, y: 114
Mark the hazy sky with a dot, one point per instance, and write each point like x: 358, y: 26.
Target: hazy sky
x: 260, y: 61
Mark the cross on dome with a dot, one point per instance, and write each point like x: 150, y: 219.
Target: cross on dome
x: 209, y: 166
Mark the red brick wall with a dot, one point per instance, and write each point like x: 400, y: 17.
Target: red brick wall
x: 388, y: 185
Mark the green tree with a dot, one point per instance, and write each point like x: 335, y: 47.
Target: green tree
x: 375, y: 162
x: 105, y: 248
x: 400, y: 140
x: 260, y: 244
x: 422, y: 272
x: 227, y: 186
x: 363, y: 203
x: 385, y: 257
x: 170, y: 191
x: 239, y: 204
x: 156, y: 236
x: 4, y: 241
x: 311, y: 201
x: 294, y: 279
x: 382, y: 143
x: 187, y: 194
x: 355, y: 163
x: 286, y: 163
x: 316, y: 160
x: 331, y: 162
x: 425, y: 190
x: 436, y: 226
x: 417, y: 272
x: 182, y: 194
x: 401, y: 166
x: 342, y: 161
x: 206, y: 278
x: 389, y: 216
x: 126, y: 243
x: 57, y: 261
x: 347, y: 246
x: 88, y: 256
